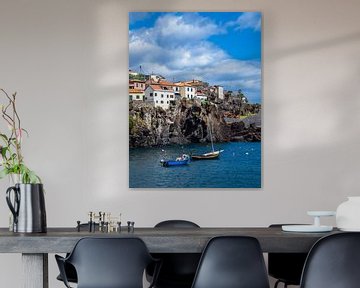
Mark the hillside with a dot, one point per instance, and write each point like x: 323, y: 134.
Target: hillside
x: 191, y: 122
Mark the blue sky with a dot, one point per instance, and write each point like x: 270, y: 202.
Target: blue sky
x: 222, y: 48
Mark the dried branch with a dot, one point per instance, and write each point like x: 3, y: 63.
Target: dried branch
x: 11, y: 156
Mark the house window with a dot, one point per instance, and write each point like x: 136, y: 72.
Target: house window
x: 187, y: 89
x: 155, y: 94
x: 151, y: 94
x: 156, y: 101
x: 167, y: 96
x: 145, y: 98
x: 167, y: 102
x: 162, y: 95
x: 137, y: 97
x: 162, y: 102
x: 171, y: 96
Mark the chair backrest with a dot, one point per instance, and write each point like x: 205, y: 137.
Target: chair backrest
x: 333, y: 262
x: 110, y: 262
x: 232, y: 262
x: 176, y: 224
x: 178, y: 269
x: 286, y: 267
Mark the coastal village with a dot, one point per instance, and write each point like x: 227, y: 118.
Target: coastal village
x: 163, y: 112
x: 160, y: 92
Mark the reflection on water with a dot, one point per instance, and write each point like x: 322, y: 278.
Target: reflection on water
x: 239, y: 166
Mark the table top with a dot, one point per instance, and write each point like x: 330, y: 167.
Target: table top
x: 158, y: 240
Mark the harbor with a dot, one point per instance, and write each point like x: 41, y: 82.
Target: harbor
x: 239, y: 165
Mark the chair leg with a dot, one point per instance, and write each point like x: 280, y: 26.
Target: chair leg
x: 279, y: 281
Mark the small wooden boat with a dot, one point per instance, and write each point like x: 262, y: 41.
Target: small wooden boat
x: 210, y: 155
x: 181, y: 161
x: 207, y: 156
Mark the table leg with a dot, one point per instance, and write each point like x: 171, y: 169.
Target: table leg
x: 35, y: 270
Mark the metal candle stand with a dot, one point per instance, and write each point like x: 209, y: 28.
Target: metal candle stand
x: 105, y: 222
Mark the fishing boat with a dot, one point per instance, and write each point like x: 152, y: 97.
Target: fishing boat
x: 210, y: 155
x: 207, y: 156
x: 180, y: 161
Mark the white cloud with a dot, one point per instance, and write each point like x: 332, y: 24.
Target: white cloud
x: 178, y: 48
x: 192, y: 27
x: 247, y: 20
x: 176, y: 41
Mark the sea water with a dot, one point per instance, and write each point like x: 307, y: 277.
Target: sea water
x: 239, y: 166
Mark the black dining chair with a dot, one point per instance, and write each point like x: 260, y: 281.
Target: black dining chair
x: 108, y: 263
x: 70, y: 271
x: 333, y: 262
x: 286, y: 267
x: 178, y: 269
x: 232, y: 262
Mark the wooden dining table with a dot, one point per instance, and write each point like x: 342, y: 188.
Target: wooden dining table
x: 35, y: 247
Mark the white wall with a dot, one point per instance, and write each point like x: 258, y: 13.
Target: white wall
x: 68, y: 62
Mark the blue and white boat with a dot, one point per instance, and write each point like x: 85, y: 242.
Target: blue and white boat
x: 180, y: 161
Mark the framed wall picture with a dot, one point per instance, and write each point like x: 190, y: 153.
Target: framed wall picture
x: 195, y: 99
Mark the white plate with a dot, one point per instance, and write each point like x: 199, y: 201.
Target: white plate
x: 306, y: 228
x: 321, y: 213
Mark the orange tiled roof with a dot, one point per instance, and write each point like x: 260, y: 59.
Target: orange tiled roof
x: 158, y: 87
x: 155, y: 87
x: 179, y: 84
x: 135, y: 91
x: 166, y: 83
x: 184, y: 84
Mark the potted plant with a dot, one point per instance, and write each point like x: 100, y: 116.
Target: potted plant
x: 11, y: 158
x: 26, y: 198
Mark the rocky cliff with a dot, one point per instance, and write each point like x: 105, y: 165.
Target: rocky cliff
x: 191, y: 122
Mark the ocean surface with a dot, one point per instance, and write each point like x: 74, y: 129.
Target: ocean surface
x: 239, y: 166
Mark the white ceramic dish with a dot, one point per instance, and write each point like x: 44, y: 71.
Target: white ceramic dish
x: 321, y: 213
x: 306, y: 228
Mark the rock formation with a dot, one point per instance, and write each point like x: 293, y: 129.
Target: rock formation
x: 191, y: 122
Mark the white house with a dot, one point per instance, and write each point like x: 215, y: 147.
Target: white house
x: 133, y: 73
x: 137, y: 84
x: 136, y: 95
x: 156, y: 78
x: 219, y: 90
x: 160, y: 96
x: 176, y: 89
x: 186, y: 90
x: 200, y: 95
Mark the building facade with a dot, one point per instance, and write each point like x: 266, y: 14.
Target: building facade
x: 136, y: 95
x: 137, y: 84
x: 160, y: 96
